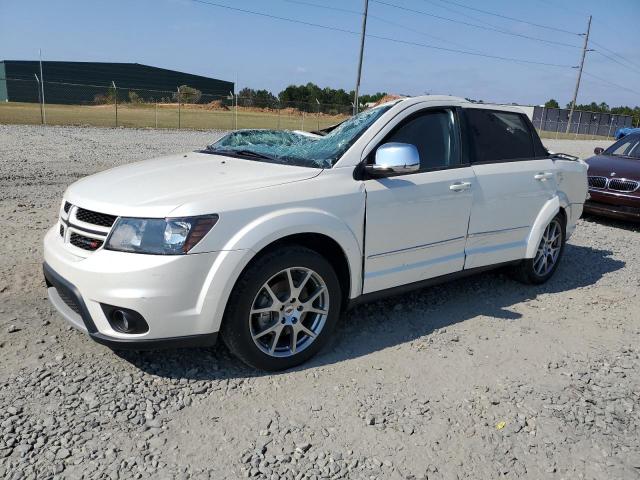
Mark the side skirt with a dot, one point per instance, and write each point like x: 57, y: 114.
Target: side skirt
x: 402, y: 289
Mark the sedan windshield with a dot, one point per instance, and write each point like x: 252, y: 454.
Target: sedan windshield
x: 626, y: 147
x: 297, y: 148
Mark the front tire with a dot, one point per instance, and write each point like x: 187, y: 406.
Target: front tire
x: 541, y: 268
x: 282, y: 309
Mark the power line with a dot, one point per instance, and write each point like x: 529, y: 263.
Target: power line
x: 461, y: 12
x: 380, y: 37
x: 539, y: 25
x: 616, y: 54
x: 384, y: 20
x: 326, y: 7
x: 611, y: 83
x: 475, y: 25
x: 617, y: 61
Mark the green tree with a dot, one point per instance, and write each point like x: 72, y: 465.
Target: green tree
x: 552, y: 104
x: 187, y: 94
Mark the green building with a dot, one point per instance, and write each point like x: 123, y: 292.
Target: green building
x: 77, y: 83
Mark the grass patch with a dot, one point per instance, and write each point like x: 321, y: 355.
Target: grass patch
x: 164, y: 116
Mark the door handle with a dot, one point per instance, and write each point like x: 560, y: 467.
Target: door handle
x: 460, y: 186
x: 543, y: 176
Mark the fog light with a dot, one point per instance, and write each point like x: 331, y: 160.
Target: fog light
x: 124, y: 320
x: 120, y: 321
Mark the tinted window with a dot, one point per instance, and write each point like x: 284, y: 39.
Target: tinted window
x: 499, y: 135
x: 433, y: 133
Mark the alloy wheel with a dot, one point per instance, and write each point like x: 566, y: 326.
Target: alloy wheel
x: 548, y: 249
x: 289, y: 312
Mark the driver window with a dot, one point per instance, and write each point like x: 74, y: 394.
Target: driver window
x: 433, y: 134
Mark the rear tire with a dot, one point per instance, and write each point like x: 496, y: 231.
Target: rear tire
x: 283, y: 309
x: 538, y: 270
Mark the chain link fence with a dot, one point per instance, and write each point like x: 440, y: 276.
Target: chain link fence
x: 554, y: 123
x: 56, y: 103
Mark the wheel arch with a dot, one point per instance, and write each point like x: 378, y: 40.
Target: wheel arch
x: 557, y: 204
x: 319, y: 231
x: 322, y: 244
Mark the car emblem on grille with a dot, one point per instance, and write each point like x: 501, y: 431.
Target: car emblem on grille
x: 613, y: 174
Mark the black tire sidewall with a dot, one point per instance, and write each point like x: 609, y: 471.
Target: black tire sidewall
x: 235, y: 329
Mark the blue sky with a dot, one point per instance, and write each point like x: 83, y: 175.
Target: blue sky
x: 268, y: 53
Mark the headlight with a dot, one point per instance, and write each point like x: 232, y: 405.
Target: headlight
x: 159, y: 236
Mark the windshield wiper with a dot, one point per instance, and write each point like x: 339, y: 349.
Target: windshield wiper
x: 239, y: 153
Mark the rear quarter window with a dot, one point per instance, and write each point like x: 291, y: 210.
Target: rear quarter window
x: 499, y: 136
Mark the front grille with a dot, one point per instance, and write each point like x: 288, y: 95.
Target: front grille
x: 61, y: 231
x: 69, y: 299
x: 623, y: 185
x: 67, y: 207
x: 597, y: 182
x: 85, y: 243
x: 95, y: 218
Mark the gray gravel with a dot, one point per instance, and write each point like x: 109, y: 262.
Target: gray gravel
x: 479, y: 378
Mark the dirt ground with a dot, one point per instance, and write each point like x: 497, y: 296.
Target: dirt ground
x: 480, y: 378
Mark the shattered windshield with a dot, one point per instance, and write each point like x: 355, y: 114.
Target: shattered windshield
x: 297, y: 148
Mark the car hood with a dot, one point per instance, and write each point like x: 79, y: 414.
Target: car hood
x: 156, y: 187
x: 605, y: 165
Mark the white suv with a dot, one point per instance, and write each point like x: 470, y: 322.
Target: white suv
x: 267, y: 236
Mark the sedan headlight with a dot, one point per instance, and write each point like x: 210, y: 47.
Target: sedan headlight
x: 159, y: 236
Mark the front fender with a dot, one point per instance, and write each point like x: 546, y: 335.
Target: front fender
x: 242, y: 247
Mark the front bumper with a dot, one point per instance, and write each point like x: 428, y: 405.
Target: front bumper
x: 619, y: 206
x: 174, y: 294
x: 66, y: 298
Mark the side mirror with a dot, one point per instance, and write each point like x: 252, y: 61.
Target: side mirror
x: 395, y: 158
x: 598, y: 150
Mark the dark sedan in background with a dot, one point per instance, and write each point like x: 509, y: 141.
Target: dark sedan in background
x: 614, y: 180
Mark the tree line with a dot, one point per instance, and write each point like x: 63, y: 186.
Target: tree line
x: 602, y: 107
x: 309, y: 97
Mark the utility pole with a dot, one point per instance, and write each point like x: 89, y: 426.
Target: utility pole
x: 585, y: 49
x: 362, y: 37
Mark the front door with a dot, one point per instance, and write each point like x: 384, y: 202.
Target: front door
x: 416, y: 224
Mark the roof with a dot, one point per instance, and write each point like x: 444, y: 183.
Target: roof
x: 448, y: 100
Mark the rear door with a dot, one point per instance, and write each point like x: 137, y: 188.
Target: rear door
x: 514, y: 177
x: 416, y: 223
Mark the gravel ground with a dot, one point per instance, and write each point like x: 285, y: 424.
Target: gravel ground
x: 479, y: 378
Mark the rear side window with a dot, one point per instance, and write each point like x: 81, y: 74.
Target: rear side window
x: 434, y: 135
x: 499, y: 136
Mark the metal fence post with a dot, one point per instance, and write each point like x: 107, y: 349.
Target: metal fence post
x: 39, y: 99
x: 279, y: 113
x: 179, y: 110
x: 44, y: 110
x: 610, y: 125
x: 115, y: 99
x: 541, y: 119
x: 156, y: 114
x: 578, y: 126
